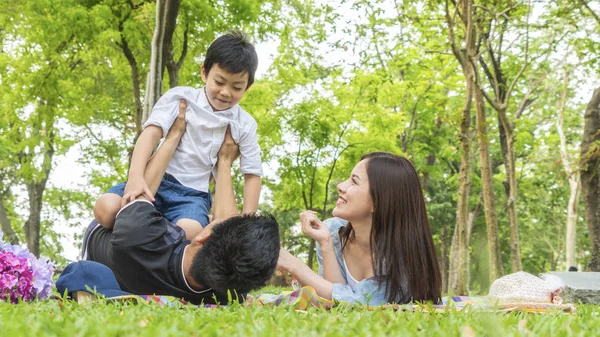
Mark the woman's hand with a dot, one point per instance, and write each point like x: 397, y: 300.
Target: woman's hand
x: 314, y: 228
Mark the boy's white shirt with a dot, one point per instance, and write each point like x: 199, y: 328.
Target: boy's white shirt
x: 196, y: 156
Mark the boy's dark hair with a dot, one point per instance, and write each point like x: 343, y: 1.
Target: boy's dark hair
x: 234, y: 53
x: 240, y: 255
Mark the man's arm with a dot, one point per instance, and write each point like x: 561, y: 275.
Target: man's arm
x: 224, y: 201
x: 252, y: 186
x: 225, y: 205
x: 304, y: 274
x: 157, y: 165
x: 136, y: 184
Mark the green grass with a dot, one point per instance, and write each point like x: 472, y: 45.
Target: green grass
x: 49, y: 318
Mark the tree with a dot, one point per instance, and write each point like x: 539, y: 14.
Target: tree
x: 572, y: 174
x: 466, y: 57
x: 162, y: 53
x: 590, y: 161
x: 43, y: 67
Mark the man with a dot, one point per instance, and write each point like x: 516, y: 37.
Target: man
x: 150, y: 255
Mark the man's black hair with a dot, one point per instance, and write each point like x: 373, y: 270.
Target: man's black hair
x: 240, y: 255
x: 232, y: 52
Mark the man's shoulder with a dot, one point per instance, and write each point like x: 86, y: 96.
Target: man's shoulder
x: 138, y: 224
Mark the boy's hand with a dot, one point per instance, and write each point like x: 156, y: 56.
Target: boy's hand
x: 135, y: 187
x: 229, y: 150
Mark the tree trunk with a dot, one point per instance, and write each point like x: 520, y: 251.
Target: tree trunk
x: 452, y: 279
x: 172, y: 11
x: 9, y: 234
x: 458, y: 279
x: 443, y: 261
x: 311, y: 253
x: 35, y: 192
x: 135, y: 80
x: 590, y: 181
x: 573, y: 178
x: 511, y: 189
x: 571, y: 233
x: 464, y: 180
x: 162, y: 53
x: 154, y: 78
x: 36, y: 187
x: 491, y: 222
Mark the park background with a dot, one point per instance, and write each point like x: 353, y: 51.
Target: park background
x: 497, y: 104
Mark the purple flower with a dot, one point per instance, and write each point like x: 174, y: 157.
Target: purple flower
x: 42, y: 277
x: 15, y: 278
x: 22, y: 275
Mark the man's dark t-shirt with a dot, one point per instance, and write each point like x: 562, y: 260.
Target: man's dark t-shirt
x: 145, y: 251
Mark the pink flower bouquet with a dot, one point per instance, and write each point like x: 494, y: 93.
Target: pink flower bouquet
x: 22, y: 275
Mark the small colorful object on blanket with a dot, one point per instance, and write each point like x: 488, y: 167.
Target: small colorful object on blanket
x: 22, y: 275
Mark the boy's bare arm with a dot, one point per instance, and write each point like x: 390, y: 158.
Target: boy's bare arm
x: 136, y: 184
x: 252, y: 186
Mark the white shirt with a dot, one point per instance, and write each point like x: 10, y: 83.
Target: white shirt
x: 197, y: 153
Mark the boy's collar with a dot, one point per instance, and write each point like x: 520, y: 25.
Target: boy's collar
x: 203, y: 101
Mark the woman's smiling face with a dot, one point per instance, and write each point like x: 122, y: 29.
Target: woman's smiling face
x: 354, y: 201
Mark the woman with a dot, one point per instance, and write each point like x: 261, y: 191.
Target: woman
x: 378, y: 248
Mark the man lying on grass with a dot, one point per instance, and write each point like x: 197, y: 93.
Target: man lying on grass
x: 150, y: 255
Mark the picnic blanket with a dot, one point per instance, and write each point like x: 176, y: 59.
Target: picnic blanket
x: 306, y: 297
x: 84, y: 280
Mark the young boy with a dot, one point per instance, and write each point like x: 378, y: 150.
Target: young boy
x: 183, y: 196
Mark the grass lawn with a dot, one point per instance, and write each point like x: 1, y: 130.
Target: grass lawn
x: 48, y: 318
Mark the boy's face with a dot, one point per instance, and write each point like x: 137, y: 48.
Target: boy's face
x: 224, y: 89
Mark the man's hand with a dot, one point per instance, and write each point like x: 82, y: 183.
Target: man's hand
x: 286, y: 261
x: 178, y: 128
x: 135, y: 187
x: 229, y: 150
x: 207, y: 231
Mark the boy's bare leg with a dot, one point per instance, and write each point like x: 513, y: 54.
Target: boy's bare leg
x: 191, y: 227
x: 106, y: 208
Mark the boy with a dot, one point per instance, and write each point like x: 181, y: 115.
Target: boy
x: 150, y: 255
x: 183, y: 196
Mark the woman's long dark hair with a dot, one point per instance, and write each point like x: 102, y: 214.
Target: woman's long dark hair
x: 401, y: 240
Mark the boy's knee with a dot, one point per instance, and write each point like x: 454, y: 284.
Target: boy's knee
x: 191, y: 228
x: 106, y: 208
